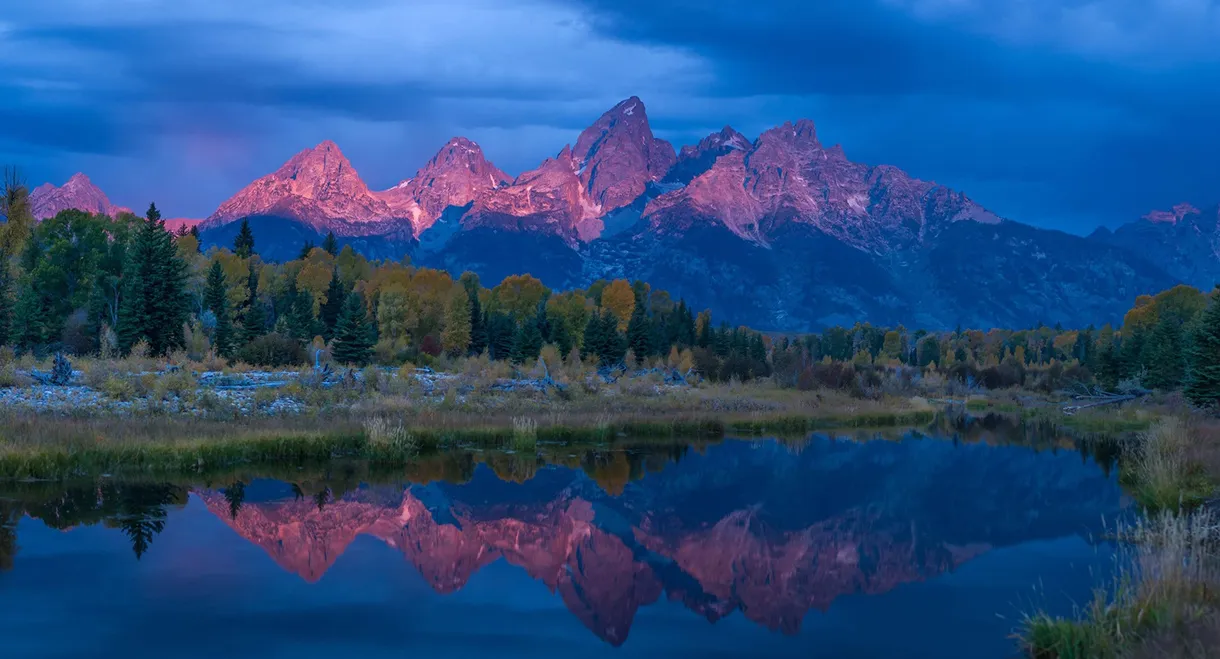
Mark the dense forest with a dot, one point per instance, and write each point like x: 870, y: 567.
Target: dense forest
x: 94, y: 285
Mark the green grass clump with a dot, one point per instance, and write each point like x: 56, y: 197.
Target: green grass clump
x: 1169, y: 576
x: 525, y: 434
x: 1093, y: 636
x: 1160, y: 474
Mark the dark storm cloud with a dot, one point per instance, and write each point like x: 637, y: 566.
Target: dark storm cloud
x: 1065, y: 113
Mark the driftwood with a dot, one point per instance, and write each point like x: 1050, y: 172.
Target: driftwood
x: 60, y: 376
x: 1090, y: 397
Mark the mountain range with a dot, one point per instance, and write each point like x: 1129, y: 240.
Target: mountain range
x: 779, y: 232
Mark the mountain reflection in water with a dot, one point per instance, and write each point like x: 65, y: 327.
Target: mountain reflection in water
x: 767, y: 529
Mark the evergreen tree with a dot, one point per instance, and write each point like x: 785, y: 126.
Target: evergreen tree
x: 254, y: 323
x: 593, y: 342
x: 561, y: 336
x: 501, y: 333
x: 527, y: 344
x: 216, y: 300
x: 297, y: 315
x: 614, y: 346
x: 243, y: 244
x: 306, y: 249
x: 353, y: 334
x: 336, y: 296
x: 153, y: 306
x: 1166, y: 365
x: 1203, y: 359
x: 6, y: 303
x: 478, y: 324
x: 639, y: 333
x: 330, y: 245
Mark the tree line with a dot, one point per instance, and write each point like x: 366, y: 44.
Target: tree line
x: 92, y: 284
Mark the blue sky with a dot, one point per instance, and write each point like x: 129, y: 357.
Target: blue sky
x: 1060, y: 113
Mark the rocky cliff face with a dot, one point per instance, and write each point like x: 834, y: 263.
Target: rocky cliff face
x: 79, y: 193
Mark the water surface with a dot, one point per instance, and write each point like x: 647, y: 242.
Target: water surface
x: 901, y: 547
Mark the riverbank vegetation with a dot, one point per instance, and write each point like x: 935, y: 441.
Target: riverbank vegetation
x: 1164, y: 600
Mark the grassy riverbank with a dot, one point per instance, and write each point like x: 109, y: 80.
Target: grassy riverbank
x: 394, y: 429
x: 1165, y: 597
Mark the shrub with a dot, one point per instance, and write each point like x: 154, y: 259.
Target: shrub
x: 273, y: 351
x: 119, y: 388
x: 9, y: 377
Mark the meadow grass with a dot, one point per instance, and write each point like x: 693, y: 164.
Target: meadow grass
x: 394, y: 428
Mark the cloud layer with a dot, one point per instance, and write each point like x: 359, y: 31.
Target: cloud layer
x: 1066, y: 113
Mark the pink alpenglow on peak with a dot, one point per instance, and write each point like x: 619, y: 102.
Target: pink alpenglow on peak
x: 618, y: 155
x: 1172, y: 216
x: 787, y: 178
x: 78, y: 193
x: 317, y: 186
x: 457, y: 175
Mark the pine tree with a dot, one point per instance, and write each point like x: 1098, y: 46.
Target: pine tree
x: 527, y: 344
x: 353, y: 334
x: 6, y: 303
x: 1166, y: 365
x: 336, y: 296
x: 330, y: 245
x: 478, y: 321
x: 298, y: 316
x: 1203, y: 359
x: 639, y: 333
x: 614, y: 346
x: 154, y: 301
x: 593, y: 342
x: 243, y: 244
x: 306, y: 249
x: 254, y: 321
x: 501, y: 333
x: 216, y: 300
x: 561, y: 336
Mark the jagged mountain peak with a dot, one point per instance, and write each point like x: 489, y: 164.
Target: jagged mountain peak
x: 78, y: 192
x: 619, y: 155
x: 317, y: 186
x: 457, y: 175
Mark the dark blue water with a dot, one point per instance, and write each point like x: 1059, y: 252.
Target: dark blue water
x: 918, y: 548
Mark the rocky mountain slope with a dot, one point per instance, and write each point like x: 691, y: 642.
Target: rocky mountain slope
x: 79, y: 192
x: 1184, y: 241
x: 781, y: 232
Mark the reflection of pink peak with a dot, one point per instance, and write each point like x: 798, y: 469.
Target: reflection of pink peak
x: 299, y: 538
x: 78, y: 193
x: 774, y: 577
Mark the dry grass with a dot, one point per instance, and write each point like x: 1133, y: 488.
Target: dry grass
x: 1162, y: 474
x: 1168, y: 580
